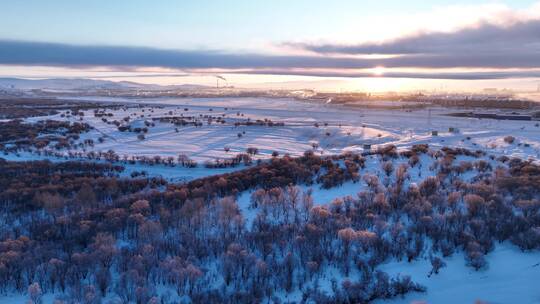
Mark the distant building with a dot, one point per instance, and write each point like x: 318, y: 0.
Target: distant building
x: 434, y: 133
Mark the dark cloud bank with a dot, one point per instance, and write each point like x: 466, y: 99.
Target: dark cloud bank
x: 522, y: 38
x: 485, y: 46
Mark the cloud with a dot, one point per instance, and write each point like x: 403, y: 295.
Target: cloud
x: 490, y: 41
x: 39, y: 53
x: 516, y: 45
x: 418, y: 75
x: 486, y: 46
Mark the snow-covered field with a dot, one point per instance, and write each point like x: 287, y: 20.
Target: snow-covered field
x: 172, y: 174
x: 339, y: 129
x: 509, y: 279
x: 512, y: 275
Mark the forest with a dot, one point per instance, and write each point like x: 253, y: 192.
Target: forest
x: 80, y: 231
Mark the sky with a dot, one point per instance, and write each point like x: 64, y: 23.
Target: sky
x: 329, y: 45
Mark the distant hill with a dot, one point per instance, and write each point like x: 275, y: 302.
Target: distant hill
x: 77, y: 84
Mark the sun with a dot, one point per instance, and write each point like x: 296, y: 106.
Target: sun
x: 378, y: 71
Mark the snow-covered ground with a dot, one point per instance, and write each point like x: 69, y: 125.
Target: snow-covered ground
x: 340, y: 129
x: 512, y: 277
x: 171, y: 174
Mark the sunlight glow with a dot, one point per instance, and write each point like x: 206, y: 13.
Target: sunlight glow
x: 378, y: 71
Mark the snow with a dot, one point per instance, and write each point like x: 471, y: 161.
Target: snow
x: 348, y: 129
x: 171, y: 174
x: 324, y: 196
x: 510, y: 278
x: 511, y: 275
x: 373, y: 164
x: 248, y: 213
